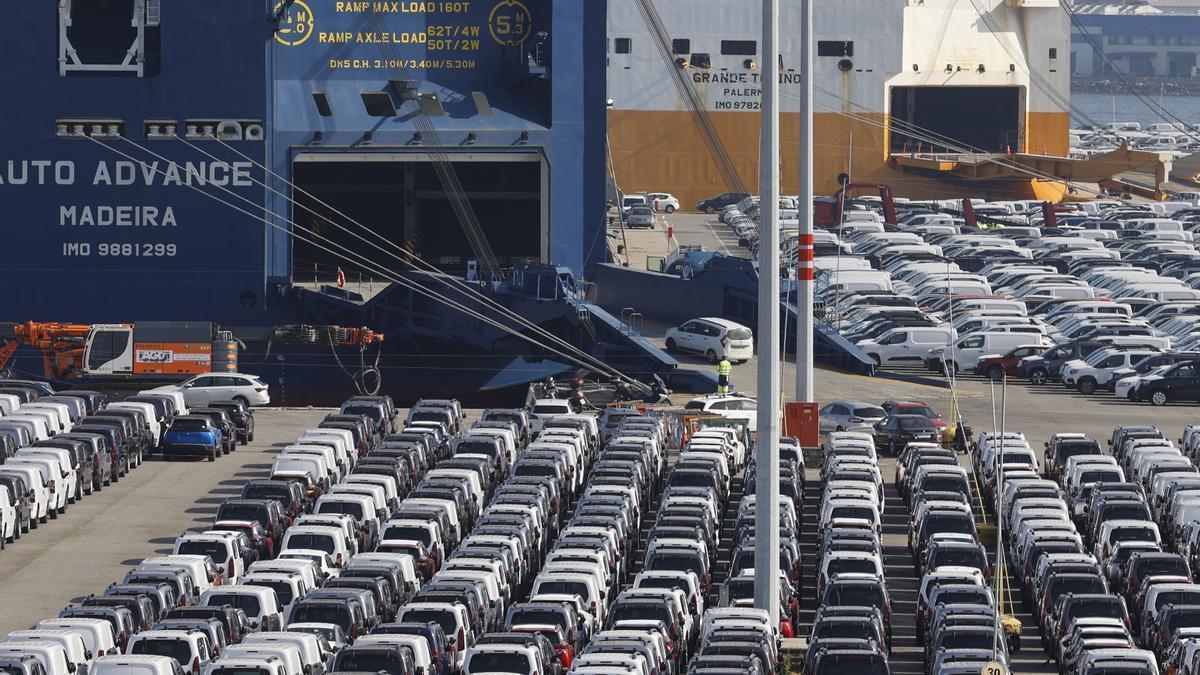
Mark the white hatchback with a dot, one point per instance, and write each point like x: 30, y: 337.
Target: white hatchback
x: 713, y: 337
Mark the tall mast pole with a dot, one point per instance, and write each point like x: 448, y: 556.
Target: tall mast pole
x: 804, y: 264
x: 766, y: 523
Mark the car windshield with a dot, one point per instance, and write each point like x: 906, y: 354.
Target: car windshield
x: 411, y: 533
x: 869, y: 411
x: 428, y: 416
x: 247, y: 603
x: 323, y: 613
x: 349, y: 508
x: 280, y: 492
x: 675, y: 563
x: 476, y: 447
x: 228, y: 670
x: 443, y: 617
x: 914, y: 423
x: 368, y: 410
x: 1164, y: 566
x: 1102, y: 608
x: 961, y: 557
x: 856, y: 595
x: 213, y: 549
x: 499, y: 662
x: 184, y: 424
x: 283, y: 590
x: 740, y: 334
x: 369, y: 661
x: 538, y: 616
x: 640, y: 612
x: 564, y: 588
x: 851, y: 566
x: 241, y: 512
x: 179, y: 650
x: 963, y: 639
x: 551, y: 409
x: 317, y: 542
x: 836, y: 663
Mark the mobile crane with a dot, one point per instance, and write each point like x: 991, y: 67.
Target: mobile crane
x: 154, y: 352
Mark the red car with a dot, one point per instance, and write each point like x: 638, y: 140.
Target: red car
x: 996, y: 367
x: 915, y: 408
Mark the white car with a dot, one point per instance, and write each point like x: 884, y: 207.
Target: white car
x: 661, y: 201
x: 713, y: 337
x: 733, y: 406
x: 204, y: 389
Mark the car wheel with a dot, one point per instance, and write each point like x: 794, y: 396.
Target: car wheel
x: 996, y: 373
x: 1087, y: 386
x: 250, y: 438
x: 711, y: 356
x: 243, y: 400
x: 212, y: 454
x: 710, y: 209
x: 840, y: 428
x: 1038, y: 376
x: 669, y: 209
x: 1158, y: 398
x: 671, y: 346
x: 876, y: 358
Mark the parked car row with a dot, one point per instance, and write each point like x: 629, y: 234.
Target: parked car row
x: 1101, y: 295
x: 57, y: 447
x: 854, y: 619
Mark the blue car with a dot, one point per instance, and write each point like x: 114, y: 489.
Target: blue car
x: 192, y: 436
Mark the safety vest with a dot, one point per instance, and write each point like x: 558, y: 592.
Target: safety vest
x: 724, y: 367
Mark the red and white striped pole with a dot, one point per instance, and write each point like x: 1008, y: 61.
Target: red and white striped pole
x: 804, y: 262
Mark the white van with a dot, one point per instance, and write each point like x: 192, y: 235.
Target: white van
x: 66, y: 463
x: 201, y: 568
x: 61, y: 413
x: 52, y: 655
x: 260, y: 604
x: 40, y: 510
x: 97, y: 633
x: 224, y: 548
x: 306, y: 644
x: 288, y: 654
x: 176, y: 395
x: 967, y: 352
x: 136, y: 665
x: 53, y: 476
x: 243, y: 665
x: 148, y: 411
x: 78, y: 654
x: 331, y: 540
x: 189, y: 648
x: 909, y: 344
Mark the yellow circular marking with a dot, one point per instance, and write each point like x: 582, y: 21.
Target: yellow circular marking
x: 510, y: 22
x: 296, y: 25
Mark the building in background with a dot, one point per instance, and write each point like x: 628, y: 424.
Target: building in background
x: 1160, y: 38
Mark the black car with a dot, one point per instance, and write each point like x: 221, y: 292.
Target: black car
x: 242, y: 416
x: 222, y: 421
x: 896, y: 432
x: 1180, y: 383
x: 289, y: 494
x: 714, y: 204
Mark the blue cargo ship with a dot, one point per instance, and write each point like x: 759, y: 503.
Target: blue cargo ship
x: 233, y: 160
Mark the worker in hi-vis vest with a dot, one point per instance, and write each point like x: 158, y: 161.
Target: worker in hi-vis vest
x: 724, y: 368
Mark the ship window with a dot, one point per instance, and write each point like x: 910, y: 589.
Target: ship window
x: 1054, y: 52
x: 701, y: 60
x: 739, y: 47
x: 624, y: 45
x: 681, y: 46
x: 837, y: 48
x: 120, y: 37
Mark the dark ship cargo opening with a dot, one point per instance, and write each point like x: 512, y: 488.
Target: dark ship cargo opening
x: 986, y: 119
x: 401, y: 197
